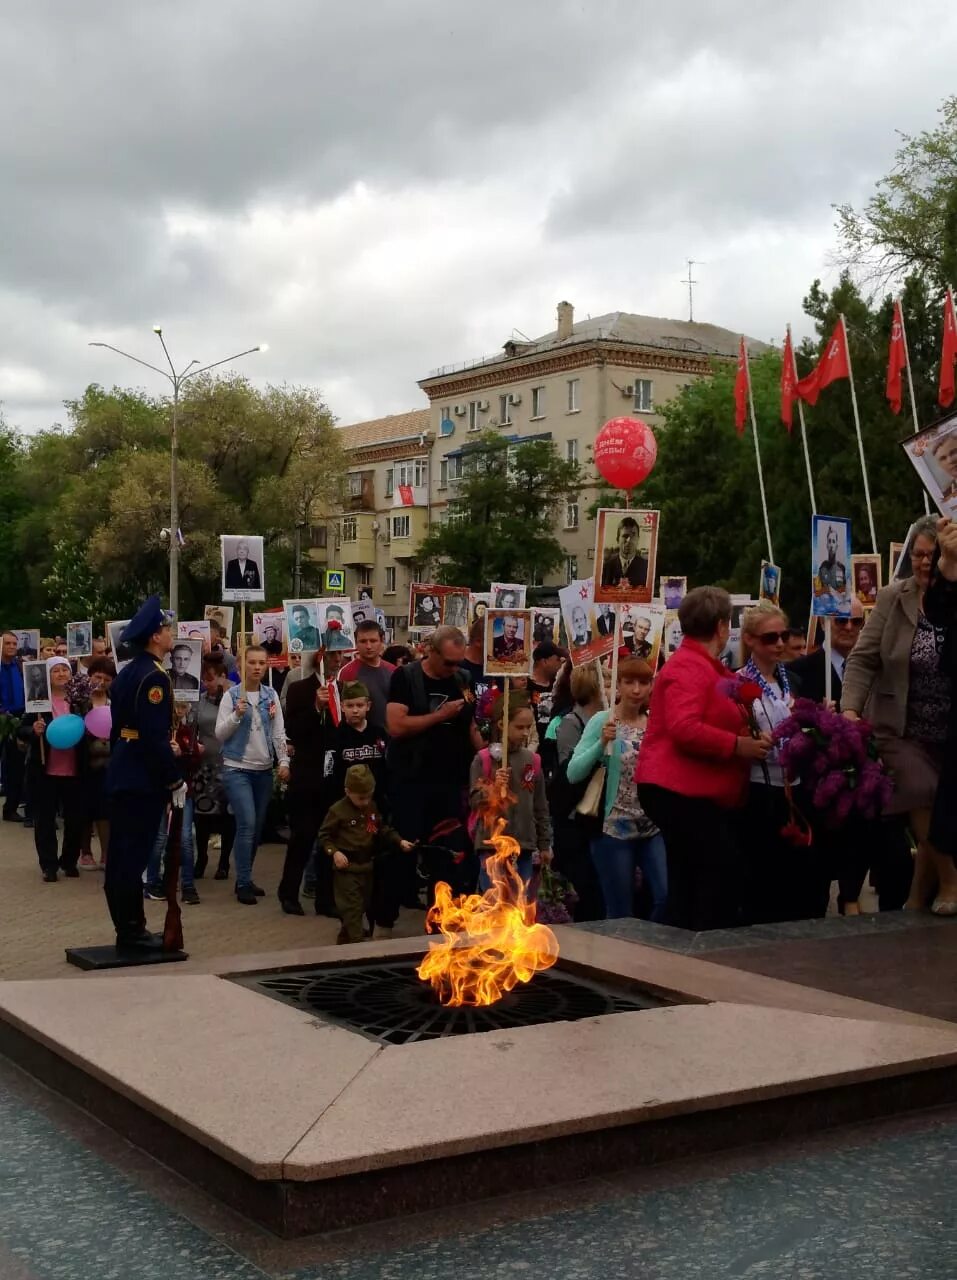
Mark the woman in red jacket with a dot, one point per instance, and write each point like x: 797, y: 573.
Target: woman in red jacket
x: 694, y: 766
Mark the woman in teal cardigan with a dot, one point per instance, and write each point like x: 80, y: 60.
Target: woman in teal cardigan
x: 628, y: 838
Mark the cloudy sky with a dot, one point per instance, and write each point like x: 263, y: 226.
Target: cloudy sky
x: 381, y: 188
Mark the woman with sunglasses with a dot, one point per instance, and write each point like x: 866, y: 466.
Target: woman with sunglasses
x: 893, y: 676
x: 780, y: 882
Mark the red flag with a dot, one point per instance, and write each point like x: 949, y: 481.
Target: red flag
x: 789, y: 379
x: 833, y: 364
x: 896, y: 360
x: 945, y: 392
x: 741, y: 390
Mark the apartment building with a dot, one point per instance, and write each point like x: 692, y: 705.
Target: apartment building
x: 560, y: 387
x: 563, y: 387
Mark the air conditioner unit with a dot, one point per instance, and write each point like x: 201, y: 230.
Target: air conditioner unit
x: 375, y: 529
x: 627, y: 392
x: 483, y: 406
x: 516, y: 399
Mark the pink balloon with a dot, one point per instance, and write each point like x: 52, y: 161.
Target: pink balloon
x: 99, y: 722
x: 625, y: 452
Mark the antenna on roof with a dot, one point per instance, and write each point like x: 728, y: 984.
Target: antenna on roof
x: 692, y: 262
x: 523, y: 336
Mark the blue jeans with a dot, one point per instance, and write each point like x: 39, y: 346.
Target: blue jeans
x: 248, y: 792
x: 615, y: 862
x: 187, y: 850
x: 523, y: 866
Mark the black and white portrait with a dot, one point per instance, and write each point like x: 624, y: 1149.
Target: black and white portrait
x: 36, y: 687
x: 79, y: 639
x: 114, y: 635
x: 508, y: 595
x: 625, y: 553
x: 336, y: 628
x: 302, y: 625
x: 546, y: 625
x: 185, y: 669
x: 222, y: 615
x: 455, y: 609
x: 269, y: 630
x: 28, y: 643
x: 425, y: 607
x: 242, y: 566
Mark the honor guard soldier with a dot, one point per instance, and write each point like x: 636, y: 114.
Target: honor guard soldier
x: 144, y: 775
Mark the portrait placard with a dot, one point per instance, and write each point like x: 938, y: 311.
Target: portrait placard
x: 364, y: 595
x: 641, y: 631
x: 28, y: 642
x: 933, y: 455
x: 269, y: 630
x: 223, y: 614
x: 507, y: 636
x: 866, y: 577
x: 184, y: 662
x: 336, y: 629
x: 769, y: 587
x: 114, y: 638
x: 507, y: 595
x: 455, y: 610
x: 546, y: 625
x: 197, y: 630
x: 673, y: 635
x: 36, y: 687
x: 479, y: 604
x: 626, y: 550
x: 302, y: 626
x: 830, y: 567
x: 79, y: 639
x: 894, y: 560
x: 671, y: 591
x: 585, y: 642
x: 243, y: 574
x: 425, y: 606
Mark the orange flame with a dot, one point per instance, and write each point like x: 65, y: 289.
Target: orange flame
x: 490, y: 941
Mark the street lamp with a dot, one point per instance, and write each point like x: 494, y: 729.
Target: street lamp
x: 176, y: 380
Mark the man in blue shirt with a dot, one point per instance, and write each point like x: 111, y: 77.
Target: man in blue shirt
x: 143, y: 775
x: 11, y: 704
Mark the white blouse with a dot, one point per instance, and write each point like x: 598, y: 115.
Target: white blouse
x: 769, y: 711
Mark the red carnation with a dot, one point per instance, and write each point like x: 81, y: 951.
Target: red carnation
x: 749, y: 691
x: 333, y: 624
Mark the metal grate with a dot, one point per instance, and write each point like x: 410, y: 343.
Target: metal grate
x: 390, y: 1003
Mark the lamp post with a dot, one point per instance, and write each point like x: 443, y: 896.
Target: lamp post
x: 176, y: 380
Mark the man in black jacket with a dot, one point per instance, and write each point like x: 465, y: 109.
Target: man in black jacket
x: 310, y: 732
x: 807, y: 674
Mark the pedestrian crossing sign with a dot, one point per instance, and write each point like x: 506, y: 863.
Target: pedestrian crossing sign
x: 335, y: 580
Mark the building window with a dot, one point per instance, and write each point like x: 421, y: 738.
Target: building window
x: 389, y: 482
x: 505, y: 410
x: 412, y: 473
x: 571, y: 450
x: 574, y: 386
x: 538, y: 402
x: 455, y: 466
x: 571, y: 515
x: 571, y: 568
x: 395, y: 624
x: 444, y: 474
x: 318, y: 534
x: 355, y: 484
x: 349, y: 529
x: 475, y: 419
x: 401, y: 526
x: 364, y: 577
x: 644, y: 395
x: 390, y: 580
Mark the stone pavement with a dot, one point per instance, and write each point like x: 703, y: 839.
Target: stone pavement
x: 41, y: 920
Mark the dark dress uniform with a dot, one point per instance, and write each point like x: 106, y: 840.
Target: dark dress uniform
x: 141, y: 774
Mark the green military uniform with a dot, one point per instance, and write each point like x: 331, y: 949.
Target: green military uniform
x: 359, y: 834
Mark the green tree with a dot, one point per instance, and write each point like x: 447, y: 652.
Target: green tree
x: 502, y: 513
x: 909, y: 225
x: 250, y: 461
x: 13, y: 508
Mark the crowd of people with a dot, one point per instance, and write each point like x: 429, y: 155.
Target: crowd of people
x: 673, y: 804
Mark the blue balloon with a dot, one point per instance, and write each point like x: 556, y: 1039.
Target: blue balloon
x: 65, y: 731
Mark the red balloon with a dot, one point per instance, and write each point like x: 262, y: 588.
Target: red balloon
x: 625, y: 452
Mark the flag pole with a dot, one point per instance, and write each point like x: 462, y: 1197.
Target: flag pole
x: 860, y: 438
x: 757, y: 454
x: 910, y: 384
x: 807, y: 456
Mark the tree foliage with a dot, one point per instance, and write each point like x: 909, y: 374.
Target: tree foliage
x: 705, y: 481
x: 502, y: 513
x: 909, y: 225
x: 90, y: 501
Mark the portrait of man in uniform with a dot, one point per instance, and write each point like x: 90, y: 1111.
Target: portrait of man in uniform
x: 626, y: 550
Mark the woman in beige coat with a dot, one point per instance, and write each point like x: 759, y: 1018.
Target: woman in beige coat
x: 893, y: 678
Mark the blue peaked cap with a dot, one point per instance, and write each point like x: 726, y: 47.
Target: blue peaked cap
x: 150, y: 617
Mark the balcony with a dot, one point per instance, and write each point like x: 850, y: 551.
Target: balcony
x: 315, y: 544
x: 357, y: 539
x: 408, y: 526
x: 360, y: 491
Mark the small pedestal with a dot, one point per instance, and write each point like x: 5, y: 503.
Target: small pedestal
x: 112, y: 958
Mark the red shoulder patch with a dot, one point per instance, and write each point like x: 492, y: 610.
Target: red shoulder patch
x: 155, y: 695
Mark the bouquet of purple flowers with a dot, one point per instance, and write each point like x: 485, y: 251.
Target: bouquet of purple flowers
x: 554, y: 896
x: 837, y: 761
